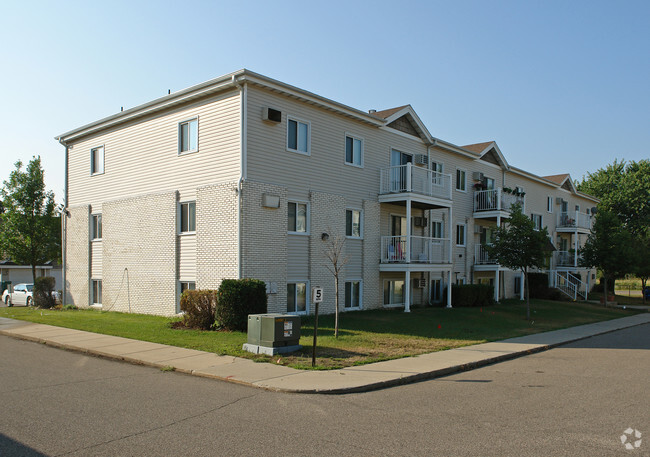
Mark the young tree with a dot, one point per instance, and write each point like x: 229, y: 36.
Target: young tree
x: 334, y: 254
x: 519, y: 246
x: 641, y: 267
x: 609, y: 247
x: 30, y: 233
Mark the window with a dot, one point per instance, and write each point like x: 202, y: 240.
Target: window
x: 437, y: 167
x: 97, y: 161
x: 461, y: 180
x: 188, y: 136
x: 517, y: 285
x: 96, y: 227
x: 97, y: 291
x: 353, y: 151
x: 353, y: 223
x: 352, y: 294
x: 461, y: 281
x: 577, y: 207
x: 460, y: 234
x: 298, y: 136
x: 297, y: 220
x: 437, y: 230
x: 297, y: 297
x: 537, y: 219
x: 187, y: 285
x: 393, y: 293
x: 549, y: 204
x: 188, y: 217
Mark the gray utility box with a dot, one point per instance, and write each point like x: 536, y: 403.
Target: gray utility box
x: 273, y: 333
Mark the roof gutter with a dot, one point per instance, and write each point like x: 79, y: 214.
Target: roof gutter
x: 243, y: 134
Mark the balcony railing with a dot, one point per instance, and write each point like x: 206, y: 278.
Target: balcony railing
x: 495, y: 200
x: 482, y: 257
x: 408, y: 178
x: 574, y: 219
x: 398, y: 249
x: 566, y: 259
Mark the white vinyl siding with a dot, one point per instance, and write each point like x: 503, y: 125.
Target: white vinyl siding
x: 187, y: 256
x: 297, y: 256
x: 144, y: 156
x: 188, y: 136
x: 97, y: 160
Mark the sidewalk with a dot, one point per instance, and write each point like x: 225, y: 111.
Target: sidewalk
x: 283, y: 379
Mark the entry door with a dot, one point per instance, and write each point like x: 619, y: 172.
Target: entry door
x: 398, y: 175
x: 486, y: 235
x: 489, y: 184
x: 436, y: 290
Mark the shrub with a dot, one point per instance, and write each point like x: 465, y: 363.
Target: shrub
x: 538, y: 286
x: 600, y: 287
x: 42, y: 292
x: 237, y: 299
x: 199, y: 307
x: 472, y: 295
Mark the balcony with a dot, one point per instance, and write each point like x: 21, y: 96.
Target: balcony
x: 414, y: 250
x: 566, y: 259
x: 396, y: 183
x: 482, y: 257
x: 495, y: 200
x: 572, y: 221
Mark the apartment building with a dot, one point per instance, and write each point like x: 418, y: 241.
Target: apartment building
x: 246, y: 176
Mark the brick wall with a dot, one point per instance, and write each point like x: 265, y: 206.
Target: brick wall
x: 139, y: 234
x: 216, y: 234
x: 77, y: 255
x: 372, y: 286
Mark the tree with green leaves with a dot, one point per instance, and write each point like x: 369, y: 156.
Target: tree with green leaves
x: 30, y: 231
x: 609, y: 248
x: 519, y: 246
x: 641, y: 267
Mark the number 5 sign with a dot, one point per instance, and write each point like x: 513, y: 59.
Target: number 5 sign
x: 316, y: 294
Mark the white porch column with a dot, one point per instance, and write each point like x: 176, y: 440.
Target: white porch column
x: 496, y: 285
x: 498, y: 199
x: 521, y: 289
x: 408, y: 230
x: 450, y: 235
x: 407, y: 292
x: 575, y: 246
x: 449, y: 289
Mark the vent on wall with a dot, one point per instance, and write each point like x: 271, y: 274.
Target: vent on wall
x: 419, y: 283
x: 421, y: 159
x: 420, y: 221
x: 271, y: 115
x: 477, y: 176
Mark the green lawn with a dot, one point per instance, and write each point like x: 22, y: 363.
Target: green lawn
x: 364, y: 336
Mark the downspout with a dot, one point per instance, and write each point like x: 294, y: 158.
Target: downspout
x: 64, y: 223
x: 243, y: 91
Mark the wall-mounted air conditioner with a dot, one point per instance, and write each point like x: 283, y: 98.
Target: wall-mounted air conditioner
x: 419, y: 283
x: 420, y: 221
x: 478, y: 176
x: 271, y: 115
x: 421, y: 159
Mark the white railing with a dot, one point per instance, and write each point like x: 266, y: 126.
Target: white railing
x: 482, y: 257
x: 569, y: 284
x: 574, y: 219
x: 566, y: 259
x: 398, y: 249
x: 495, y: 200
x: 409, y: 178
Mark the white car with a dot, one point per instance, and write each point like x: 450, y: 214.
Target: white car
x: 22, y: 295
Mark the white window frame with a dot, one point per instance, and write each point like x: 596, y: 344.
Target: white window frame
x: 464, y: 235
x: 180, y: 291
x: 353, y: 280
x: 549, y: 204
x: 383, y: 293
x: 100, y: 169
x: 299, y: 121
x: 95, y: 222
x: 442, y: 228
x: 578, y: 208
x: 353, y: 210
x: 307, y: 215
x: 180, y: 218
x: 307, y: 297
x: 180, y: 145
x: 538, y: 219
x: 93, y: 288
x: 464, y: 189
x: 442, y: 166
x: 358, y: 138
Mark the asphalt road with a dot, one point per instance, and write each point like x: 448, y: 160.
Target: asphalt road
x: 576, y: 400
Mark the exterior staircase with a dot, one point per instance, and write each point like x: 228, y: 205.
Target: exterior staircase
x: 569, y: 284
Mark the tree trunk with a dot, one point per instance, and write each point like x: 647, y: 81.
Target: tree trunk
x: 336, y: 305
x: 605, y: 289
x: 527, y: 295
x: 643, y: 283
x: 33, y: 274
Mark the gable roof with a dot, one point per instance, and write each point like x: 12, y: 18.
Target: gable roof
x: 490, y: 152
x: 557, y: 179
x: 405, y: 119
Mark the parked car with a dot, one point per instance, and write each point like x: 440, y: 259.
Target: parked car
x: 22, y: 295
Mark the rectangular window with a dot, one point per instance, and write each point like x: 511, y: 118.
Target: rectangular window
x: 393, y: 293
x: 517, y: 285
x: 353, y: 151
x: 353, y: 294
x: 437, y: 167
x: 460, y: 234
x: 437, y: 230
x: 549, y: 204
x: 298, y: 136
x: 188, y: 217
x: 537, y: 219
x: 97, y: 161
x: 297, y: 220
x: 577, y: 207
x: 187, y: 285
x: 96, y: 229
x: 353, y: 223
x: 188, y: 136
x: 297, y: 297
x: 461, y: 180
x: 97, y: 291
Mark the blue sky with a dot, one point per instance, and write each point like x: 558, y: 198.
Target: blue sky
x: 561, y: 86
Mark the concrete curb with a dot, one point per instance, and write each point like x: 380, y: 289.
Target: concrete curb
x: 275, y: 378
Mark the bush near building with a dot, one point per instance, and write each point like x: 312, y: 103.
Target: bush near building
x: 237, y: 298
x: 43, y: 292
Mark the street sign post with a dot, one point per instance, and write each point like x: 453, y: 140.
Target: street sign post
x: 316, y: 298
